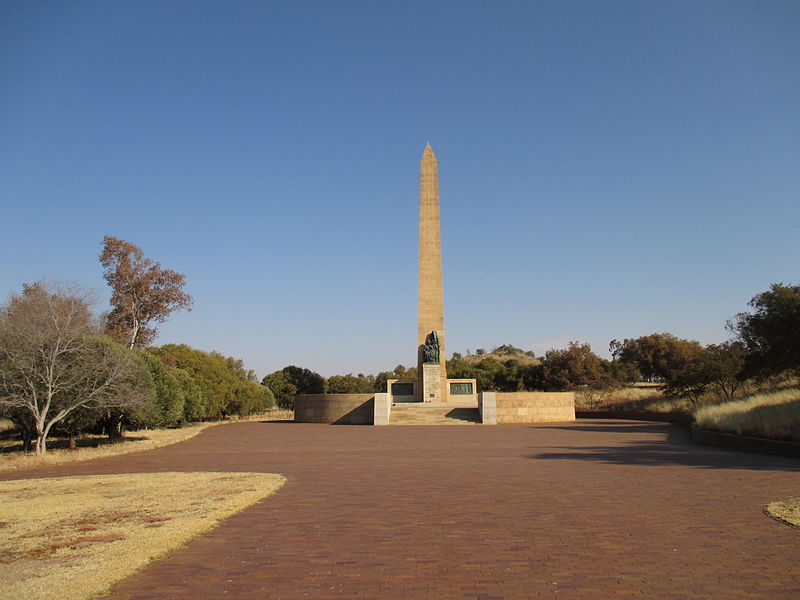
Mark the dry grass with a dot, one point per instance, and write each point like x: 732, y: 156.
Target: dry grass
x: 787, y: 511
x: 773, y: 415
x: 134, y: 441
x: 99, y: 446
x: 640, y: 397
x: 72, y: 537
x: 276, y: 415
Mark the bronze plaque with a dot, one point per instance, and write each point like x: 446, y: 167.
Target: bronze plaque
x: 461, y: 389
x: 402, y: 389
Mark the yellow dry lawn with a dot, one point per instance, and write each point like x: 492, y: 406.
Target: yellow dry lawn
x: 73, y: 537
x: 134, y: 441
x: 787, y: 511
x: 774, y: 415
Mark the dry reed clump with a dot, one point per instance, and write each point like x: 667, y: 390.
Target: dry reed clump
x: 773, y: 415
x: 72, y: 537
x: 133, y: 441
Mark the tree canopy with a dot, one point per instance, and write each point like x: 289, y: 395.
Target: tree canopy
x: 54, y: 362
x: 771, y: 333
x: 224, y: 383
x: 142, y: 293
x: 657, y: 356
x: 290, y: 381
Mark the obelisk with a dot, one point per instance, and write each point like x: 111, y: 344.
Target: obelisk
x: 431, y: 377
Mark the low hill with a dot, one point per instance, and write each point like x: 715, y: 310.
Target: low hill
x: 504, y: 354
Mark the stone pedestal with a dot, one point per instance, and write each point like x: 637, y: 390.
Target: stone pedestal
x: 432, y: 383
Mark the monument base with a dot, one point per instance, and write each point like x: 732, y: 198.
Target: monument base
x: 432, y: 382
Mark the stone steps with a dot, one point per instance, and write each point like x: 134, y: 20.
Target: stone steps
x: 433, y: 414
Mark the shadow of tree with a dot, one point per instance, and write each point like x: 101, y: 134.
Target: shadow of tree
x: 664, y: 445
x: 59, y: 443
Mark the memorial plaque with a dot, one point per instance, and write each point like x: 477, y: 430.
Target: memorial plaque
x: 461, y: 389
x: 402, y: 389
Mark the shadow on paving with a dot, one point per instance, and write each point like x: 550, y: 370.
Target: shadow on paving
x: 622, y: 428
x: 675, y: 449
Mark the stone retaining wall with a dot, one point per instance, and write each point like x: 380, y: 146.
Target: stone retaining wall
x: 339, y: 409
x: 534, y: 407
x: 745, y: 443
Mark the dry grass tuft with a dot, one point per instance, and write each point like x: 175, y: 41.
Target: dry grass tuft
x: 787, y: 511
x: 773, y: 415
x: 73, y: 537
x: 276, y: 415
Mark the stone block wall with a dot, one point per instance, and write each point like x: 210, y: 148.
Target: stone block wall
x: 382, y: 404
x: 487, y: 408
x: 339, y: 409
x: 534, y: 407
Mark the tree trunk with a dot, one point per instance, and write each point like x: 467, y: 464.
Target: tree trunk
x: 134, y: 333
x: 27, y: 439
x: 115, y: 429
x: 41, y: 443
x: 72, y: 444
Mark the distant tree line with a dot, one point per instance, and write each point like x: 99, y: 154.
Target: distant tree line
x: 66, y: 369
x: 765, y: 342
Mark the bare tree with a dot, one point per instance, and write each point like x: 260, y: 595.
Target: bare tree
x: 142, y: 292
x: 53, y: 360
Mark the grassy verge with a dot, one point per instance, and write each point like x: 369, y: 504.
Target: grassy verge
x: 91, y: 447
x: 73, y: 537
x: 787, y: 511
x: 773, y: 415
x: 635, y: 398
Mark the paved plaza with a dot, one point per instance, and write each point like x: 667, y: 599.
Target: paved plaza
x: 590, y: 509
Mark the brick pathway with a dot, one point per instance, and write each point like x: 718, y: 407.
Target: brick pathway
x: 589, y: 510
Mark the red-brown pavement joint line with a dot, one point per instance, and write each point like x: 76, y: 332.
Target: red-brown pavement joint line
x: 584, y: 510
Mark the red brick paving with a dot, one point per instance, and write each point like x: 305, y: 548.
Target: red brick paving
x: 587, y: 510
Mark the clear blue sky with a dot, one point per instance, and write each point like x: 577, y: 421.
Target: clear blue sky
x: 607, y: 169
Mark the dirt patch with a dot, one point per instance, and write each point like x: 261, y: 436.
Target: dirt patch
x: 75, y: 536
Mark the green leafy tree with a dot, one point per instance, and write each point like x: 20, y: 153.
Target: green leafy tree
x: 291, y: 382
x: 726, y: 363
x: 657, y: 357
x: 492, y: 374
x: 194, y: 401
x: 252, y: 398
x: 225, y: 387
x: 771, y: 333
x: 399, y: 372
x: 168, y: 408
x: 575, y: 367
x: 282, y: 388
x: 718, y: 367
x: 75, y: 424
x: 350, y: 384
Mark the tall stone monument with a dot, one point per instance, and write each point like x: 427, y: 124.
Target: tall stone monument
x: 431, y: 369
